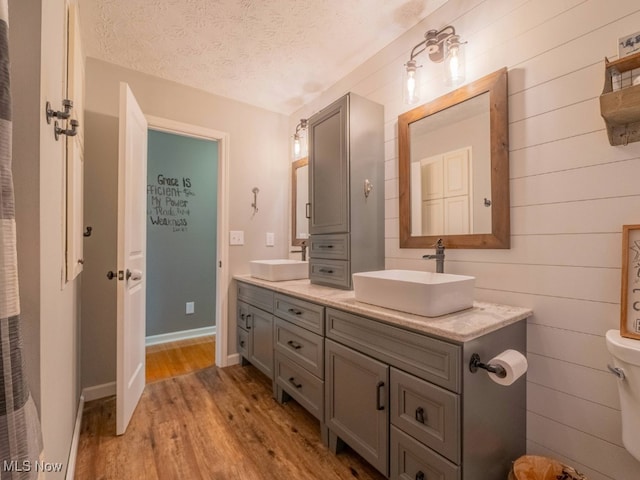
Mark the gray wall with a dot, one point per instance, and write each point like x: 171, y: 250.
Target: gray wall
x: 181, y: 232
x: 258, y: 146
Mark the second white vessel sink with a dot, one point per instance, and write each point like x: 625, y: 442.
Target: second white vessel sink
x: 421, y: 293
x: 279, y: 270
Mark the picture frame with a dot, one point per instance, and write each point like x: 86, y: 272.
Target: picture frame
x: 630, y: 291
x: 629, y: 44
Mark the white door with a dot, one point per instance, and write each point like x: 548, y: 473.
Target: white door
x: 132, y: 238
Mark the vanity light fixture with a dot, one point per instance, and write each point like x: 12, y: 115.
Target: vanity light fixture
x: 442, y: 46
x: 297, y: 145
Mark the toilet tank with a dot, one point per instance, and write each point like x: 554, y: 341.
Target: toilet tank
x: 626, y: 357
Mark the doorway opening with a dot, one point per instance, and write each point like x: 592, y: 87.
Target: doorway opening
x: 185, y: 220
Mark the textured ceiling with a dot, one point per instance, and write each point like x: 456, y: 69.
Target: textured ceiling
x: 275, y: 54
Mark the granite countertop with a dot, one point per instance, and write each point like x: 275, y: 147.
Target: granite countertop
x: 461, y: 326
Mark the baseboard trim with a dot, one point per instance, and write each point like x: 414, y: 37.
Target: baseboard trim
x: 182, y: 335
x: 232, y: 359
x: 99, y: 391
x: 75, y: 440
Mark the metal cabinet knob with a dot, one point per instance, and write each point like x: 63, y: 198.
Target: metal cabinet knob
x: 134, y: 274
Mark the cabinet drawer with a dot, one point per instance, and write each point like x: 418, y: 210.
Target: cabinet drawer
x: 260, y: 297
x: 304, y: 314
x: 300, y: 346
x: 333, y: 247
x: 243, y: 342
x: 409, y: 458
x: 428, y: 358
x: 428, y: 413
x: 305, y: 388
x: 332, y: 273
x: 242, y: 315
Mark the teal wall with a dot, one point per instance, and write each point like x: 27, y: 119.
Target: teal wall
x: 182, y: 180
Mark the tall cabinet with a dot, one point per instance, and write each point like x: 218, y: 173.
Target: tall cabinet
x: 346, y: 190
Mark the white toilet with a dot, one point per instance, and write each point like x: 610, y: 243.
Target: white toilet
x: 626, y: 365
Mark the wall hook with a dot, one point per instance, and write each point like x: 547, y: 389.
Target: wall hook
x: 58, y: 130
x: 66, y: 104
x: 255, y: 199
x: 368, y: 186
x: 87, y: 231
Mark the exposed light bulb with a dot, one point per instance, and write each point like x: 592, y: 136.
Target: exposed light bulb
x: 296, y: 145
x: 411, y: 84
x: 454, y: 63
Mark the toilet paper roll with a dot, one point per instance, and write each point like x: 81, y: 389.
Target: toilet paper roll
x: 513, y: 362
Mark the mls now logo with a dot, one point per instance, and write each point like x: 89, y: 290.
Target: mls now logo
x: 29, y: 466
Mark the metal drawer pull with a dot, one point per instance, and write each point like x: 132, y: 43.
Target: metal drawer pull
x: 294, y: 311
x: 420, y: 475
x: 292, y: 381
x: 325, y: 246
x: 324, y: 270
x: 242, y: 343
x: 379, y: 388
x: 248, y: 317
x: 294, y: 345
x: 420, y: 415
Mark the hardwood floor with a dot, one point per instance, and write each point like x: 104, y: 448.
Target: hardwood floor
x: 177, y: 358
x: 211, y: 424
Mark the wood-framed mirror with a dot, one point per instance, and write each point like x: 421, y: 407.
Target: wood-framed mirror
x: 299, y: 202
x: 454, y: 168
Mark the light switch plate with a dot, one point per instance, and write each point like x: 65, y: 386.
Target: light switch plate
x: 190, y: 308
x: 236, y: 237
x: 270, y: 239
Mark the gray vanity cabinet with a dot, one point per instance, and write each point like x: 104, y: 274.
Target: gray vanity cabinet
x: 346, y: 190
x: 396, y: 397
x: 299, y: 354
x: 405, y: 400
x: 357, y: 404
x: 255, y: 327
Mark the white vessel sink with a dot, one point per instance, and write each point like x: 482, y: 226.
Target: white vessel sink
x: 279, y: 270
x: 421, y: 293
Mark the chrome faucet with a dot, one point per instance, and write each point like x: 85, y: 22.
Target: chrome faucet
x: 303, y: 250
x: 439, y: 256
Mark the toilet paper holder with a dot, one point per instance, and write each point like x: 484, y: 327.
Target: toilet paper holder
x: 475, y: 364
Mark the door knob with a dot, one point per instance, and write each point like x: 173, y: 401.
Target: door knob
x: 111, y: 274
x: 134, y: 274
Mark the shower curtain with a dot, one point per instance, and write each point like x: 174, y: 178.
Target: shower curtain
x: 20, y: 434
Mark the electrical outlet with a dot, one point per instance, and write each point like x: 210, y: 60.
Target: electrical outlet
x: 190, y: 308
x: 270, y: 239
x: 638, y: 325
x: 236, y: 237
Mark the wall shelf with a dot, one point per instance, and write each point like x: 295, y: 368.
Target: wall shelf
x: 621, y: 108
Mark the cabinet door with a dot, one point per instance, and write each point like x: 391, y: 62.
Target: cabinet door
x: 329, y: 169
x: 260, y: 328
x: 357, y: 402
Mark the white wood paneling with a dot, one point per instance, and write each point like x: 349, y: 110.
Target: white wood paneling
x: 588, y: 417
x: 594, y: 318
x: 602, y: 456
x: 568, y: 345
x: 571, y: 192
x: 569, y: 153
x: 583, y: 382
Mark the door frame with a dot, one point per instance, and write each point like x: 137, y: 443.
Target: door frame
x: 222, y: 280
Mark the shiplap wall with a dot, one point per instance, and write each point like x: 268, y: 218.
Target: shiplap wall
x: 571, y: 192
